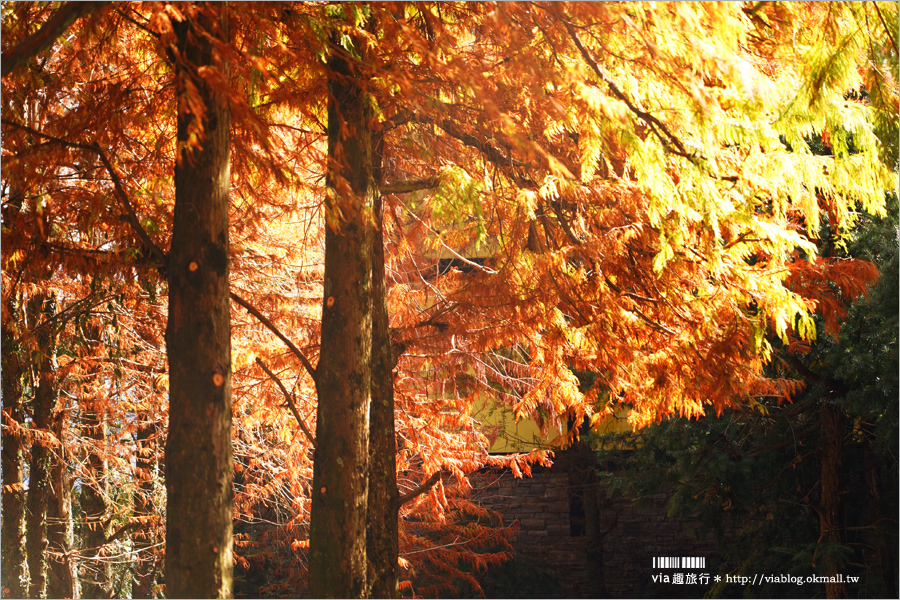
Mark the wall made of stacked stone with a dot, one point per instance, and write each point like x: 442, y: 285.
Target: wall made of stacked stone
x: 631, y: 532
x: 539, y: 507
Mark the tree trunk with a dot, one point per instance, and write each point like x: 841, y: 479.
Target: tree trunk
x: 38, y: 498
x: 96, y: 582
x: 382, y: 545
x: 144, y: 568
x: 39, y: 495
x: 829, y: 508
x: 878, y: 559
x: 337, y: 562
x: 198, y: 339
x: 13, y: 497
x: 63, y: 573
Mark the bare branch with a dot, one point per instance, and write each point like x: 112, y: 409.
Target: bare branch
x: 459, y: 256
x: 128, y: 364
x: 271, y: 327
x: 427, y: 485
x: 290, y: 401
x: 96, y: 258
x: 412, y: 185
x: 121, y: 531
x: 44, y: 37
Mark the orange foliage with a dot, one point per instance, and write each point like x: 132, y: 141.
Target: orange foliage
x: 614, y: 168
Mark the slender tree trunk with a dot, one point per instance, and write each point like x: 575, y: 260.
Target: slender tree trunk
x: 13, y: 497
x: 382, y: 544
x: 13, y: 368
x: 878, y: 559
x: 38, y: 498
x: 198, y: 340
x: 337, y: 562
x: 39, y: 493
x: 96, y: 582
x: 144, y: 569
x: 63, y: 573
x: 829, y: 508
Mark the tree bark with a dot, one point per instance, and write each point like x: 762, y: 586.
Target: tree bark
x: 829, y: 506
x: 337, y: 562
x: 878, y: 558
x: 63, y: 573
x: 12, y: 532
x: 382, y: 544
x: 144, y: 569
x: 38, y: 498
x: 96, y: 582
x: 198, y: 339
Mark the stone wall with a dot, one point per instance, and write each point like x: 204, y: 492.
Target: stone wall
x: 611, y: 556
x: 540, y: 505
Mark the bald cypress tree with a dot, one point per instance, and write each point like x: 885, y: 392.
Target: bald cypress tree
x: 198, y: 334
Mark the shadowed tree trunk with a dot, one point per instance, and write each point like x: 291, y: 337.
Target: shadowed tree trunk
x: 13, y: 497
x: 63, y: 574
x: 382, y: 545
x: 829, y: 506
x: 13, y: 558
x: 337, y: 562
x: 875, y: 554
x: 96, y: 582
x: 198, y: 337
x: 144, y: 569
x: 38, y: 498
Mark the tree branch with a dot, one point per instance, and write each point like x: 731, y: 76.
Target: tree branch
x: 271, y: 327
x: 128, y: 364
x: 137, y: 24
x: 121, y: 531
x: 130, y: 215
x: 44, y: 37
x: 398, y: 120
x: 557, y: 209
x: 411, y: 185
x: 96, y: 258
x: 669, y: 140
x: 837, y: 388
x: 290, y: 401
x: 133, y: 220
x: 887, y: 29
x: 427, y: 485
x: 655, y: 124
x: 453, y: 130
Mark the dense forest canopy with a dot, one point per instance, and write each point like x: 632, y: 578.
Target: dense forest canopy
x: 261, y: 261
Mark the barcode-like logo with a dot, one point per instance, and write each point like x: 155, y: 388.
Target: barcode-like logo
x: 679, y: 562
